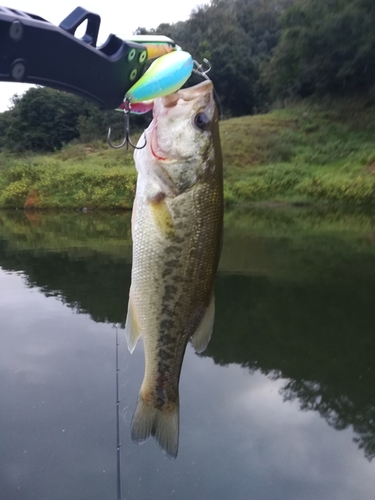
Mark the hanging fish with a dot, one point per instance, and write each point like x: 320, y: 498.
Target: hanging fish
x: 165, y: 75
x: 177, y: 229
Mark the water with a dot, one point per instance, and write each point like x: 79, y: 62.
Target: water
x: 280, y: 406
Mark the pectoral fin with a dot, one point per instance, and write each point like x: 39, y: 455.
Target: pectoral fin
x: 202, y: 336
x: 132, y: 330
x: 162, y: 215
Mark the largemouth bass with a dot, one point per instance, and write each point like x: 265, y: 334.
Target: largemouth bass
x: 177, y: 230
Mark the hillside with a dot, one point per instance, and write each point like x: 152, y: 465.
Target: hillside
x: 309, y: 152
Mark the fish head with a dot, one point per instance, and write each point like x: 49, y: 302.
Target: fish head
x: 181, y: 139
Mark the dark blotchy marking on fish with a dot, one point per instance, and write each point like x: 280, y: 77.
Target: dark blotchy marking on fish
x: 172, y: 249
x: 165, y: 324
x: 172, y: 263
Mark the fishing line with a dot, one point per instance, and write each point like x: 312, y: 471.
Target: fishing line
x: 118, y: 443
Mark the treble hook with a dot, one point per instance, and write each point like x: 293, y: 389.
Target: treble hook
x: 127, y: 140
x: 201, y: 70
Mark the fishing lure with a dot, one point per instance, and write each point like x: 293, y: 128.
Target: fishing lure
x: 165, y: 78
x: 139, y: 108
x: 166, y: 75
x: 156, y: 45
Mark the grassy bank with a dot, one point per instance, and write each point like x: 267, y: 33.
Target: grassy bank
x: 79, y: 176
x: 308, y: 152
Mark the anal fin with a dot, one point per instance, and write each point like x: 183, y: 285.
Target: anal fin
x: 202, y: 336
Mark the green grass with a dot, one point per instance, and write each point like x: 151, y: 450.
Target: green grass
x: 77, y: 177
x: 307, y: 152
x: 312, y: 151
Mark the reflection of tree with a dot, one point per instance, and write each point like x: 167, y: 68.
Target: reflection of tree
x: 90, y: 282
x: 319, y: 336
x: 340, y: 412
x: 104, y: 232
x: 318, y: 333
x: 84, y: 259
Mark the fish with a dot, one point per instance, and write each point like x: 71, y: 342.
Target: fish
x: 177, y: 225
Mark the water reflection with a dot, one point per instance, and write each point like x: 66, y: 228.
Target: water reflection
x: 319, y: 336
x: 301, y: 322
x: 83, y: 259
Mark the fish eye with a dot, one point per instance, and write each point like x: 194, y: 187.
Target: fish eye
x: 202, y: 121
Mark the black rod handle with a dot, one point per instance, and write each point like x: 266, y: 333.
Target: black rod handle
x: 76, y: 18
x: 32, y: 50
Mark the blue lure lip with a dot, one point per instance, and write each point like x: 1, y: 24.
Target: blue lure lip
x: 166, y: 75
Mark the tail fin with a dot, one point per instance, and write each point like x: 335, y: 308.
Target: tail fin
x: 162, y: 425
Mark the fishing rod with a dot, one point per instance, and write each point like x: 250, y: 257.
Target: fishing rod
x: 118, y: 441
x: 33, y: 50
x: 115, y: 75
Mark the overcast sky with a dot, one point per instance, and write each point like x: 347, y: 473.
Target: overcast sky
x: 120, y: 18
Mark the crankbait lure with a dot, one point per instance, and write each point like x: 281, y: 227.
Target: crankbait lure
x: 156, y: 45
x: 166, y: 75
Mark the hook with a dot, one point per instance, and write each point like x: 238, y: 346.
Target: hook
x: 127, y: 140
x: 201, y: 70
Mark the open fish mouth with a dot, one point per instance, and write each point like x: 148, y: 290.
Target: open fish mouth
x: 156, y: 152
x: 189, y: 109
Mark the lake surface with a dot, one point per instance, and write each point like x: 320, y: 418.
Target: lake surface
x: 281, y: 406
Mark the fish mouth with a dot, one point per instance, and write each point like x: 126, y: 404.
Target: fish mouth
x: 189, y: 101
x: 156, y: 151
x: 188, y: 94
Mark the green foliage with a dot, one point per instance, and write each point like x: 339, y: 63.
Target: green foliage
x: 43, y: 120
x: 313, y: 151
x: 306, y: 153
x: 340, y: 188
x: 69, y: 180
x: 284, y: 47
x: 324, y: 47
x: 5, y: 122
x: 267, y: 182
x: 236, y: 36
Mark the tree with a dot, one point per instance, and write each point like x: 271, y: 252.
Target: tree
x: 326, y: 46
x: 43, y: 119
x: 236, y: 36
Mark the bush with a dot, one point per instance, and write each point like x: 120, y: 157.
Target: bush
x: 266, y: 182
x: 360, y: 190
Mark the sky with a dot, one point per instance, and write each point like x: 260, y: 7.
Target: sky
x: 120, y: 18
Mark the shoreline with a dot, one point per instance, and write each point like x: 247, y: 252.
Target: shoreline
x: 304, y: 154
